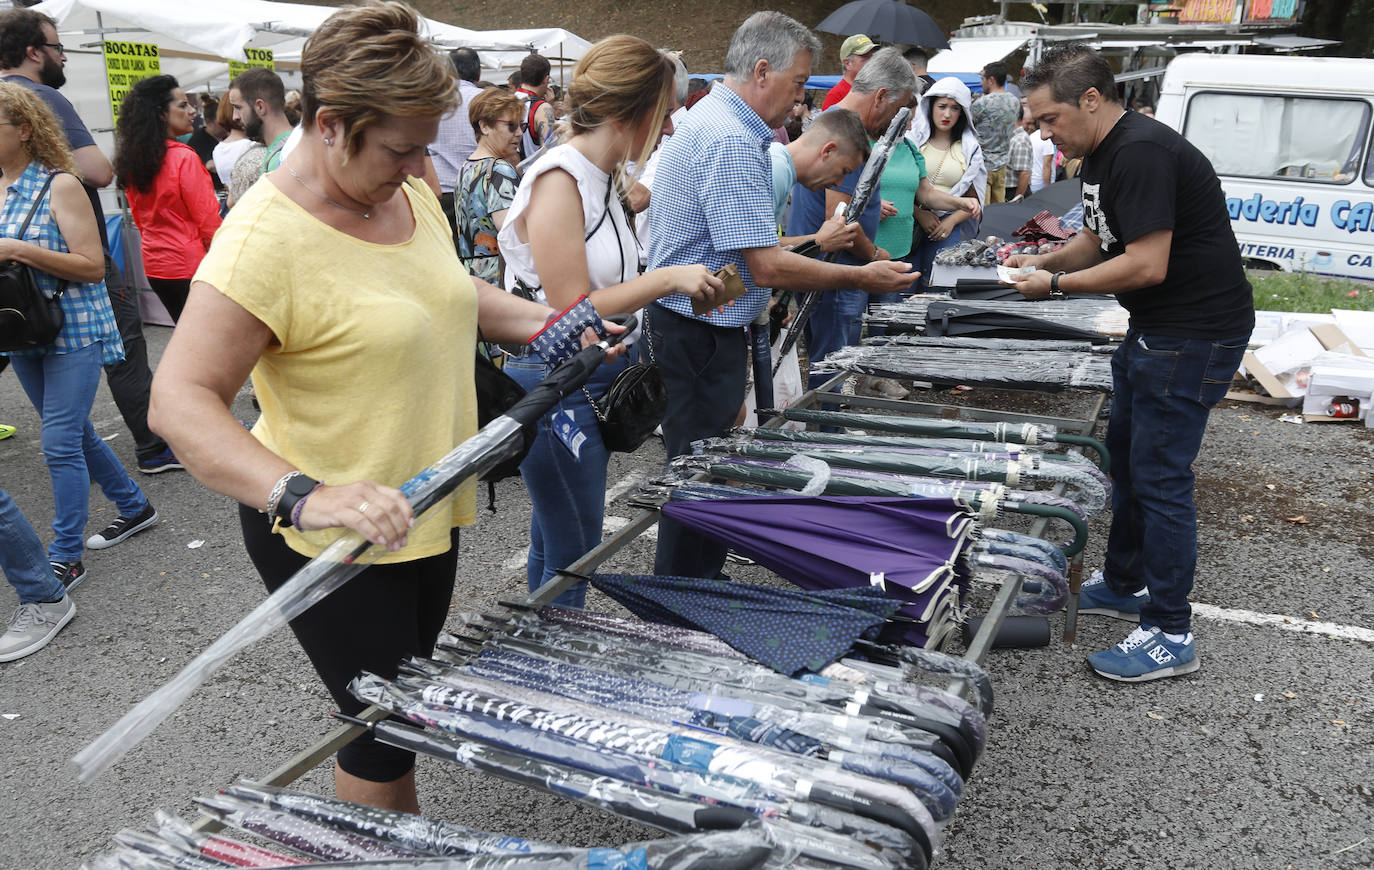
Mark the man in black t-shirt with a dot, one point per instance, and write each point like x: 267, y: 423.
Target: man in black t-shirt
x: 31, y: 56
x: 1156, y: 234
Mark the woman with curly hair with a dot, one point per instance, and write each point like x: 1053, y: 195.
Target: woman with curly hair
x: 62, y: 247
x: 169, y: 189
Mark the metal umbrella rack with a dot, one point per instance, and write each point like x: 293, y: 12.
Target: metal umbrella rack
x: 738, y: 762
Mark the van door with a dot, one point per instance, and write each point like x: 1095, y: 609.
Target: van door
x: 1297, y: 175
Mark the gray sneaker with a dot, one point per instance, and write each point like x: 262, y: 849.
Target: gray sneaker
x: 33, y: 625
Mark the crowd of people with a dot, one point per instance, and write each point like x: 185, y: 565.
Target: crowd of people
x: 400, y: 215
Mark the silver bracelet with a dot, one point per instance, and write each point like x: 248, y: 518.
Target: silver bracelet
x: 275, y: 495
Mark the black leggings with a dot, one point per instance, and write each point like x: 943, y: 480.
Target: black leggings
x: 172, y: 292
x: 385, y: 614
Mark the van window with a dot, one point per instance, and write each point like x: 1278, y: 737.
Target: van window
x: 1259, y: 136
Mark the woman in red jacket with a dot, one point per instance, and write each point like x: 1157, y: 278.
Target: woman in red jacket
x: 169, y: 189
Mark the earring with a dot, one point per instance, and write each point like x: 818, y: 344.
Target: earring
x: 328, y: 141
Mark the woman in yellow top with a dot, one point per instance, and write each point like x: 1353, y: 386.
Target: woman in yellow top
x: 337, y: 284
x: 942, y: 128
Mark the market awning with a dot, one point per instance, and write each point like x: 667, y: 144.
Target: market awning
x: 971, y: 55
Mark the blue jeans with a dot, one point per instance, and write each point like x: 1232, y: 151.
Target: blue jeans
x: 22, y: 558
x: 1163, y: 388
x: 61, y: 387
x: 568, y: 495
x: 837, y: 322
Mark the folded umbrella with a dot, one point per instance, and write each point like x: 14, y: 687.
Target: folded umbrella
x: 787, y: 630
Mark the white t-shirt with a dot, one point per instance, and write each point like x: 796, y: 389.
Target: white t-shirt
x: 1040, y: 149
x: 612, y: 255
x: 226, y: 154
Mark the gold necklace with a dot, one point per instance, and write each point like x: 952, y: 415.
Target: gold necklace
x: 367, y: 215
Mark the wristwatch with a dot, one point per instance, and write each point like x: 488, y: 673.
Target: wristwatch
x: 297, y: 488
x: 1055, y: 292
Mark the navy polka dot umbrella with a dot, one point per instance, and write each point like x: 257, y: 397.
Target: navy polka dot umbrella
x: 789, y: 630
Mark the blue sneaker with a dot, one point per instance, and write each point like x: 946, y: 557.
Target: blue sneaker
x: 164, y: 461
x: 1146, y: 654
x: 1096, y: 597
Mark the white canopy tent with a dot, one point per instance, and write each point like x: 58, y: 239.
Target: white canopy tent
x: 197, y: 38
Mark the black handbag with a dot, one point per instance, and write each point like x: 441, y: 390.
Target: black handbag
x: 633, y: 405
x: 28, y: 317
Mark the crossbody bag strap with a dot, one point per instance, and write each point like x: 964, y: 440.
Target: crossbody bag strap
x: 33, y: 209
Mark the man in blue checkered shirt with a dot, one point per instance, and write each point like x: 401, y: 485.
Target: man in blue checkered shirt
x: 713, y: 204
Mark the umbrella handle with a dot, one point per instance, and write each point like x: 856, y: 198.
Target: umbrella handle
x: 1104, y: 458
x: 1080, y: 528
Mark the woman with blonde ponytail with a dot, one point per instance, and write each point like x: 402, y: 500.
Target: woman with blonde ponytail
x: 568, y: 234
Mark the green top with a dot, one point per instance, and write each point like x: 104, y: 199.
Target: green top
x: 902, y: 175
x: 272, y: 159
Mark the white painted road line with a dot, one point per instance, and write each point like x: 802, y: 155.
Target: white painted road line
x: 1287, y: 623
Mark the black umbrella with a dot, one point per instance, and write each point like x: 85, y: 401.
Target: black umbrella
x: 886, y: 21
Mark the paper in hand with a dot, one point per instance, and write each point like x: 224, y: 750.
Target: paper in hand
x: 1010, y: 276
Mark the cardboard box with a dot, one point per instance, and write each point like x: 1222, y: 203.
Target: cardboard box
x: 1283, y: 367
x: 1338, y: 376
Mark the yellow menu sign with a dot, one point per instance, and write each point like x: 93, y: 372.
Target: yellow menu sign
x: 256, y: 57
x: 127, y: 63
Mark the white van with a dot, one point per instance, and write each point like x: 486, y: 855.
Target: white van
x: 1290, y: 139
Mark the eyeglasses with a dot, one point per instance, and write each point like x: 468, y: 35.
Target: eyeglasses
x: 511, y: 126
x: 56, y: 45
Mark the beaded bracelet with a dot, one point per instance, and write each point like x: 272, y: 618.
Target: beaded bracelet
x: 296, y: 511
x: 275, y: 495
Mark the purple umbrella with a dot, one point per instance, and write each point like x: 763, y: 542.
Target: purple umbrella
x: 908, y: 547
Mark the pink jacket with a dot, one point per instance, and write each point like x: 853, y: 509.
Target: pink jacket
x: 177, y: 216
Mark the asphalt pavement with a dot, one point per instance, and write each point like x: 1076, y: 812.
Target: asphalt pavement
x: 1262, y: 759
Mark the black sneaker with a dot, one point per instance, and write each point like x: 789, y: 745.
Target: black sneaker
x: 69, y: 574
x: 122, y: 528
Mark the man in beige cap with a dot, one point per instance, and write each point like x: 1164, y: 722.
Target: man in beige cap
x: 854, y: 53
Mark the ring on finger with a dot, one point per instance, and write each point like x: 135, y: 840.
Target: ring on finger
x: 362, y: 508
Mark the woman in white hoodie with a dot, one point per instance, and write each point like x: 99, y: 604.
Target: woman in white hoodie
x: 942, y: 130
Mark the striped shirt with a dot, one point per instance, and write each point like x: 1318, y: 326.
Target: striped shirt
x: 86, y: 307
x: 713, y: 199
x: 455, y: 140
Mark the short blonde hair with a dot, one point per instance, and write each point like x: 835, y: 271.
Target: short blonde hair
x: 621, y: 78
x: 46, y: 144
x: 491, y: 106
x: 369, y: 62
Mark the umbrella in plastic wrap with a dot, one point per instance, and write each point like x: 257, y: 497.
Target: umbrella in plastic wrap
x: 775, y: 699
x: 662, y: 775
x: 1089, y: 484
x: 1019, y: 433
x: 643, y: 805
x: 749, y: 846
x: 235, y: 853
x: 876, y: 719
x: 633, y: 630
x: 403, y: 830
x: 434, y: 704
x: 789, y: 632
x: 310, y: 837
x: 1044, y: 371
x: 346, y: 557
x: 729, y: 716
x: 889, y: 21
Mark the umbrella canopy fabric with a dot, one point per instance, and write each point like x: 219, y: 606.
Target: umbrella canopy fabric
x: 838, y: 542
x: 788, y: 630
x: 886, y: 21
x: 910, y: 548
